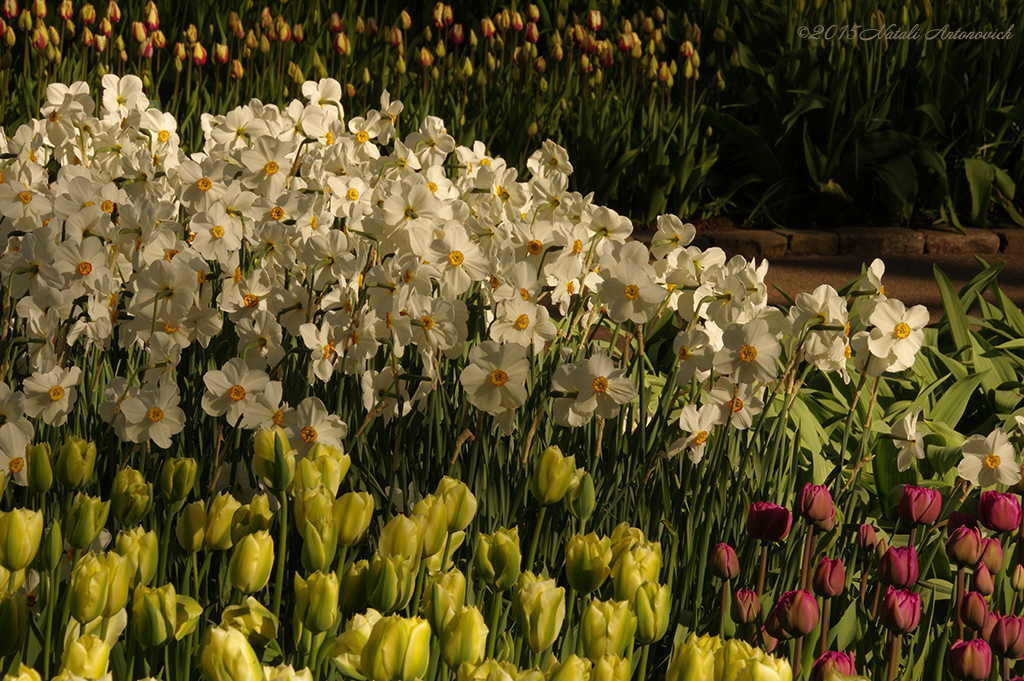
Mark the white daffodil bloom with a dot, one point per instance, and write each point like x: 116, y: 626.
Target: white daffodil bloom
x: 898, y: 333
x: 989, y: 460
x: 697, y: 425
x: 750, y: 353
x: 154, y: 415
x: 737, y: 403
x: 602, y: 387
x: 51, y: 395
x: 695, y: 355
x: 232, y: 390
x: 908, y: 439
x: 495, y: 377
x: 310, y: 424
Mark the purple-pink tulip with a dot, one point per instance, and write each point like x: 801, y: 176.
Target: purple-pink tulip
x: 974, y: 610
x: 920, y: 505
x: 745, y: 606
x: 1007, y: 637
x: 814, y: 504
x: 768, y: 522
x: 964, y: 546
x: 992, y: 555
x: 901, y: 611
x: 832, y: 660
x: 798, y: 612
x: 899, y: 567
x: 999, y: 512
x: 724, y: 563
x: 829, y: 578
x: 970, y: 660
x: 982, y: 581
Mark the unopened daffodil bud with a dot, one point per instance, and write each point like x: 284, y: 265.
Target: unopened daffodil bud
x: 348, y: 647
x: 464, y: 639
x: 190, y: 529
x: 316, y: 601
x: 154, y: 615
x: 131, y: 497
x: 88, y: 590
x: 398, y: 649
x: 587, y: 561
x: 433, y: 515
x: 251, y: 562
x: 143, y: 549
x: 539, y: 609
x: 552, y: 475
x: 444, y: 596
x: 572, y: 668
x: 459, y: 502
x: 355, y: 587
x: 402, y: 536
x: 652, y: 604
x: 498, y: 558
x: 87, y: 656
x: 274, y: 461
x: 75, y: 462
x: 177, y: 476
x: 352, y: 513
x: 226, y: 655
x: 21, y: 530
x: 39, y: 461
x: 391, y: 581
x: 253, y: 619
x: 120, y: 570
x: 634, y: 567
x: 219, y: 520
x: 610, y: 668
x: 607, y: 628
x: 86, y: 518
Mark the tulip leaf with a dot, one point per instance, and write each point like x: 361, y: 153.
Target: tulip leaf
x: 956, y: 316
x: 980, y: 175
x: 951, y: 406
x: 843, y: 634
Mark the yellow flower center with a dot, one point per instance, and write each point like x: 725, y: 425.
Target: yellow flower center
x: 277, y: 213
x: 992, y: 461
x: 577, y: 247
x: 250, y: 300
x: 328, y: 349
x: 170, y: 255
x: 155, y: 414
x: 329, y: 138
x: 352, y: 194
x: 736, y: 404
x: 684, y: 352
x: 308, y: 434
x: 217, y: 231
x: 56, y: 393
x: 455, y: 258
x: 25, y: 197
x: 570, y: 287
x: 54, y: 116
x: 84, y: 268
x: 277, y: 417
x: 432, y: 187
x: 238, y: 275
x: 522, y: 321
x: 847, y: 352
x: 498, y: 378
x: 236, y: 393
x: 88, y: 203
x: 485, y: 161
x: 107, y: 206
x: 201, y: 277
x: 901, y: 331
x: 170, y: 329
x: 163, y: 136
x: 600, y: 384
x: 632, y: 291
x: 16, y: 465
x: 271, y: 168
x: 524, y: 294
x: 748, y: 353
x: 427, y: 321
x: 204, y: 184
x: 362, y: 136
x: 534, y: 247
x: 700, y: 438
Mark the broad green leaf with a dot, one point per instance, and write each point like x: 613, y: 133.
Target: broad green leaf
x: 951, y: 406
x: 980, y: 174
x: 956, y: 316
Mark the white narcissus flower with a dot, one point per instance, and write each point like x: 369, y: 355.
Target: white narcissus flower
x: 602, y: 387
x: 320, y: 343
x: 52, y: 395
x: 232, y: 390
x: 12, y: 455
x: 696, y: 425
x: 523, y: 323
x: 121, y: 96
x: 909, y: 441
x: 750, y: 353
x: 898, y: 333
x: 495, y: 377
x: 154, y: 415
x: 671, y: 234
x: 629, y: 293
x: 384, y: 394
x: 460, y: 261
x: 310, y: 423
x: 989, y: 460
x: 695, y: 354
x: 738, y: 403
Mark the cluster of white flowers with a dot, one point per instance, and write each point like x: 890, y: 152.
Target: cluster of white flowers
x: 317, y: 235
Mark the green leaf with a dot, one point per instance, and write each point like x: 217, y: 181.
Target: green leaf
x: 956, y: 316
x: 951, y: 406
x: 843, y: 634
x: 980, y: 174
x: 758, y: 151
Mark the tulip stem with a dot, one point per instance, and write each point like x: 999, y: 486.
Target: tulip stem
x: 894, y: 656
x: 797, y: 654
x: 959, y: 602
x: 643, y: 663
x: 825, y: 607
x: 536, y: 536
x: 282, y: 548
x: 569, y: 612
x: 492, y: 634
x: 764, y: 567
x: 53, y: 586
x: 805, y: 564
x: 723, y: 603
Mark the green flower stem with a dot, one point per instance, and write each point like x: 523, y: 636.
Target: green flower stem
x: 492, y: 634
x: 282, y: 555
x: 52, y: 590
x: 959, y: 602
x: 536, y: 536
x: 569, y: 612
x: 847, y: 428
x: 894, y: 655
x: 722, y: 604
x: 825, y: 608
x: 808, y: 549
x: 418, y: 593
x: 763, y: 569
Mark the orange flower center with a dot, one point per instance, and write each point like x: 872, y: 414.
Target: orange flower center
x: 600, y: 384
x: 577, y: 247
x: 17, y: 463
x: 155, y: 414
x: 736, y: 404
x: 700, y: 438
x: 427, y: 321
x: 84, y: 268
x: 499, y: 378
x: 277, y: 417
x: 204, y: 184
x: 992, y: 461
x: 236, y: 393
x: 524, y: 294
x: 748, y: 353
x: 328, y: 349
x: 56, y: 393
x: 170, y: 254
x: 308, y: 434
x: 107, y: 206
x: 250, y: 300
x: 902, y: 330
x: 25, y: 197
x: 362, y: 136
x: 632, y: 291
x: 522, y: 321
x: 217, y: 231
x: 455, y: 258
x: 271, y: 168
x: 432, y: 187
x: 170, y: 329
x: 277, y: 213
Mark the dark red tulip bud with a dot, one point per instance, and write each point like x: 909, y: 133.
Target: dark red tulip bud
x: 768, y: 522
x: 773, y: 623
x: 992, y: 554
x: 974, y: 610
x: 724, y: 563
x: 866, y: 536
x: 901, y: 611
x: 833, y: 661
x: 798, y: 612
x: 899, y: 567
x: 982, y: 580
x: 1007, y: 637
x: 745, y: 606
x: 920, y: 505
x: 964, y: 546
x: 829, y: 578
x: 970, y: 660
x: 999, y: 512
x: 814, y: 504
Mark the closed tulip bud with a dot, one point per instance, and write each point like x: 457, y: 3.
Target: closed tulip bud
x: 9, y: 9
x: 190, y: 529
x: 974, y: 610
x: 13, y: 621
x: 39, y: 9
x: 814, y: 504
x: 86, y: 656
x: 498, y: 558
x: 724, y: 563
x: 316, y: 601
x: 982, y: 581
x: 444, y: 596
x: 106, y: 28
x: 87, y: 14
x: 282, y: 29
x: 999, y: 512
x: 319, y: 542
x: 253, y: 619
x: 572, y: 668
x: 640, y: 564
x: 464, y: 639
x: 348, y: 647
x: 459, y: 502
x: 1017, y: 578
x: 9, y: 38
x: 198, y: 54
x: 402, y: 536
x: 773, y: 622
x: 557, y: 53
x: 177, y: 476
x: 120, y: 572
x: 457, y: 34
x: 226, y: 655
x: 390, y: 581
x: 899, y: 567
x: 964, y: 546
x: 253, y: 517
x: 158, y: 39
x: 39, y: 463
x: 138, y: 31
x: 866, y: 536
x: 607, y: 628
x: 75, y: 462
x: 610, y: 667
x: 219, y: 519
x: 969, y: 660
x: 131, y: 497
x: 552, y: 474
x: 113, y: 11
x: 799, y: 612
x: 21, y: 530
x: 745, y: 606
x: 334, y: 24
x: 768, y: 522
x: 1007, y: 637
x: 594, y: 20
x: 487, y: 27
x: 101, y: 47
x: 398, y: 649
x: 354, y: 587
x: 992, y: 554
x: 833, y: 662
x: 341, y: 45
x: 53, y: 547
x: 587, y: 561
x: 220, y: 53
x: 88, y: 589
x: 25, y: 20
x: 251, y: 562
x: 901, y: 611
x: 432, y: 515
x: 920, y: 505
x: 652, y: 603
x: 154, y: 615
x: 143, y: 549
x: 235, y: 70
x: 86, y: 518
x: 539, y: 608
x: 829, y: 578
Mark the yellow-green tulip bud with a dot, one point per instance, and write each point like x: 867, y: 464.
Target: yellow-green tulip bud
x: 391, y: 581
x: 498, y: 558
x: 53, y: 547
x: 177, y: 478
x: 251, y: 562
x: 402, y: 536
x: 88, y: 589
x: 319, y: 543
x: 143, y: 549
x: 13, y: 621
x: 87, y: 656
x: 572, y: 668
x: 539, y: 609
x: 444, y: 596
x: 455, y: 541
x: 86, y: 518
x: 316, y: 601
x: 315, y: 503
x: 274, y: 462
x: 607, y: 628
x: 651, y: 603
x: 768, y: 668
x: 219, y: 520
x: 459, y: 502
x: 693, y: 660
x: 131, y: 497
x: 75, y: 462
x: 253, y: 517
x: 154, y: 615
x: 39, y: 460
x: 285, y: 672
x: 610, y: 668
x: 581, y: 497
x: 21, y: 530
x: 253, y: 619
x: 587, y: 561
x: 348, y: 647
x: 465, y: 638
x: 490, y: 670
x: 624, y: 538
x: 398, y: 649
x: 187, y: 614
x: 431, y: 510
x: 642, y: 564
x: 121, y: 571
x: 355, y: 587
x: 552, y: 475
x: 352, y: 513
x: 332, y: 463
x: 227, y: 656
x: 25, y: 673
x: 190, y: 529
